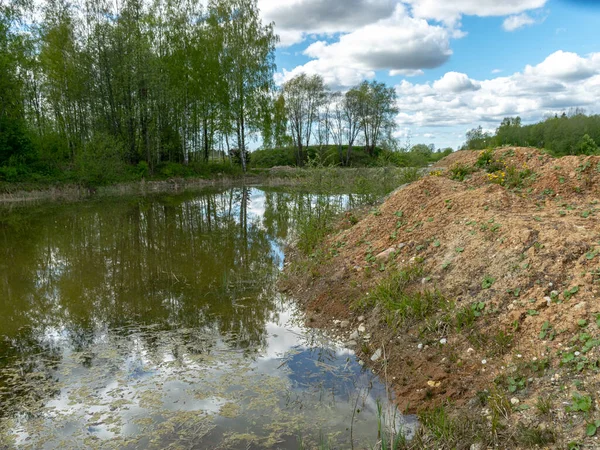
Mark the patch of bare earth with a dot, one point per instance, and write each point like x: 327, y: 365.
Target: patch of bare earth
x: 525, y: 259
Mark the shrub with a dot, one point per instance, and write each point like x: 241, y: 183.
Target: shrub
x: 100, y: 162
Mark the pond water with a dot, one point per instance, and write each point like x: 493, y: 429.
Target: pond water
x: 153, y: 322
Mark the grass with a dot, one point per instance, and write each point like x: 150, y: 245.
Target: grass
x: 405, y: 306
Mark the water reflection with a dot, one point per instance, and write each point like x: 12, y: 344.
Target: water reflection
x: 148, y: 322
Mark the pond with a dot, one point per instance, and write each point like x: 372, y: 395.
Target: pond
x: 154, y: 322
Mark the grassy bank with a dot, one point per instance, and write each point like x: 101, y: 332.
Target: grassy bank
x: 318, y: 180
x: 479, y: 284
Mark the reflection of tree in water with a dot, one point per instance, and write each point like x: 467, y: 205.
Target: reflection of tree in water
x: 163, y: 274
x: 73, y: 272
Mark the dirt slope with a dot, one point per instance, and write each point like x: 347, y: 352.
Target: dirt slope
x: 517, y: 241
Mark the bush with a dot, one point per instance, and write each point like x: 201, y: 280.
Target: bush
x: 10, y: 174
x: 273, y: 157
x: 100, y: 162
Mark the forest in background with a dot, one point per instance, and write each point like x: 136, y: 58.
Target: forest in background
x: 96, y: 88
x: 96, y: 92
x: 570, y: 133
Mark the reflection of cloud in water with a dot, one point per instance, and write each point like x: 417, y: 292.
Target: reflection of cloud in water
x: 167, y: 324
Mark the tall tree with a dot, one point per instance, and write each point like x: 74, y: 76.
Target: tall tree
x: 304, y: 95
x: 248, y: 63
x: 14, y: 136
x: 377, y: 111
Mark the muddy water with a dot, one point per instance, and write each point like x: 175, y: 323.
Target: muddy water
x: 154, y: 323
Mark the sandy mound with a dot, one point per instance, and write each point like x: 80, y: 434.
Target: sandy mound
x: 521, y: 243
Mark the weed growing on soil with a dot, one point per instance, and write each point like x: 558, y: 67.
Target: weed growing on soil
x: 544, y: 405
x: 404, y: 306
x: 580, y: 403
x: 487, y: 282
x: 460, y: 171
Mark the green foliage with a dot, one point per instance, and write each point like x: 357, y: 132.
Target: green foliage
x: 460, y: 171
x: 273, y: 157
x: 580, y: 403
x: 487, y: 282
x: 100, y: 162
x: 477, y: 139
x: 572, y: 134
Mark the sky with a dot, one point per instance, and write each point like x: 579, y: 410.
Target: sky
x: 455, y: 64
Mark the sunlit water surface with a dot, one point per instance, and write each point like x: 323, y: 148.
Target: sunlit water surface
x: 154, y: 323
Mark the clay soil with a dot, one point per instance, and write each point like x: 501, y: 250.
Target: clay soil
x: 525, y: 255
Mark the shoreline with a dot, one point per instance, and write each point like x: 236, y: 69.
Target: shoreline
x: 473, y: 293
x: 328, y: 178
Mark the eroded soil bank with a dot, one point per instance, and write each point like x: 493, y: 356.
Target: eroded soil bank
x: 475, y: 292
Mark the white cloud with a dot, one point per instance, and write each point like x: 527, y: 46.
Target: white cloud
x: 495, y: 71
x: 455, y: 82
x: 400, y: 44
x: 296, y: 19
x: 451, y: 104
x: 513, y: 23
x: 450, y: 12
x: 566, y: 66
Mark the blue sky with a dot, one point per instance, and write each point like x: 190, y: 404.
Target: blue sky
x: 455, y: 64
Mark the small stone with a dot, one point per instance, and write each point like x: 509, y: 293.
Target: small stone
x: 514, y: 401
x: 367, y: 337
x: 376, y: 355
x: 361, y: 328
x: 361, y: 318
x: 579, y: 306
x: 470, y: 350
x: 443, y: 341
x: 351, y: 343
x: 577, y: 353
x: 345, y: 324
x: 548, y: 300
x: 519, y: 356
x: 420, y: 346
x: 476, y: 446
x: 400, y: 246
x: 385, y: 255
x: 361, y: 362
x: 434, y: 384
x: 484, y: 361
x: 354, y: 335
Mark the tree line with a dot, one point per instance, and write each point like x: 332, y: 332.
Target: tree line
x: 93, y: 84
x: 102, y: 90
x: 571, y: 133
x: 364, y: 114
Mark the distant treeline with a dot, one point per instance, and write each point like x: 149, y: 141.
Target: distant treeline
x: 567, y: 134
x: 419, y: 155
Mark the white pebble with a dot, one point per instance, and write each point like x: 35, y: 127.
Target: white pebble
x: 443, y: 341
x: 483, y: 361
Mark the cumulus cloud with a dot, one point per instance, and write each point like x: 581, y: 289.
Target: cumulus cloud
x: 450, y: 12
x: 562, y: 81
x: 566, y: 66
x: 295, y: 19
x: 455, y: 82
x: 400, y: 44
